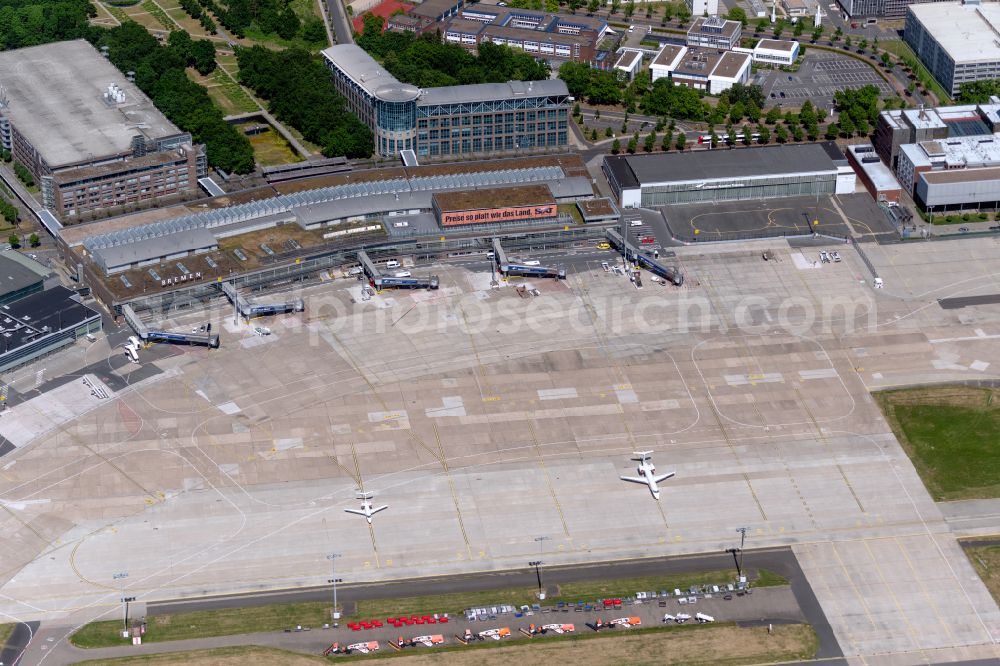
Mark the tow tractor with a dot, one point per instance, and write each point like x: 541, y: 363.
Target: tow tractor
x: 429, y: 641
x: 495, y: 634
x: 365, y: 647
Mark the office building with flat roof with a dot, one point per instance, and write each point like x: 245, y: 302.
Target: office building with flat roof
x: 728, y: 175
x: 898, y: 127
x: 956, y: 41
x: 90, y: 138
x: 20, y: 276
x: 466, y: 120
x: 708, y: 69
x: 703, y: 7
x: 776, y: 52
x: 41, y: 323
x: 542, y: 34
x: 714, y: 32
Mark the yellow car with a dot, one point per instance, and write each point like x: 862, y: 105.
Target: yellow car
x: 604, y: 246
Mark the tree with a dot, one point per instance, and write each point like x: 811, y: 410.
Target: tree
x: 576, y: 109
x: 681, y: 141
x: 668, y: 140
x: 779, y: 27
x: 615, y: 6
x: 593, y: 134
x: 202, y: 56
x: 847, y: 42
x: 846, y: 125
x: 799, y: 28
x: 34, y: 240
x: 863, y: 45
x: 886, y: 60
x: 616, y: 147
x: 731, y: 137
x: 14, y: 241
x: 817, y: 33
x: 607, y: 132
x: 747, y: 135
x: 837, y: 34
x: 773, y: 115
x: 313, y: 30
x: 629, y: 8
x: 977, y: 92
x: 737, y: 14
x: 781, y: 134
x: 593, y: 6
x: 832, y: 132
x: 764, y: 135
x: 650, y: 142
x: 760, y: 26
x: 683, y: 14
x: 807, y: 114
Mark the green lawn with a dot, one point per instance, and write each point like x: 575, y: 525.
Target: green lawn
x: 952, y: 434
x: 200, y: 624
x: 986, y: 560
x: 5, y: 631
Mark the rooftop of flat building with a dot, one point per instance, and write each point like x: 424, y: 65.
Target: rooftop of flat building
x: 731, y: 64
x: 35, y: 316
x: 18, y: 272
x: 628, y: 59
x: 966, y: 32
x: 487, y: 92
x: 511, y: 32
x: 56, y: 100
x: 466, y: 26
x: 704, y: 25
x: 776, y: 45
x: 879, y: 174
x: 961, y: 175
x: 667, y: 55
x: 496, y: 197
x: 957, y: 152
x: 709, y: 165
x: 434, y: 8
x: 375, y: 79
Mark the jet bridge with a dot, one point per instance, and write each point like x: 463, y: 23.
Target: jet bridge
x: 508, y: 269
x: 248, y: 309
x: 632, y: 253
x: 146, y: 335
x: 380, y: 281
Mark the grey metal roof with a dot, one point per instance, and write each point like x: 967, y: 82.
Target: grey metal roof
x: 711, y: 165
x: 336, y: 210
x: 367, y: 73
x: 186, y: 240
x: 55, y: 96
x: 14, y: 275
x: 486, y: 92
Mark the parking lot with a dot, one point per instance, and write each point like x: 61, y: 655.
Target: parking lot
x: 819, y: 77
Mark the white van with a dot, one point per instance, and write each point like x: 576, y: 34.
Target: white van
x: 402, y: 274
x: 636, y: 223
x: 392, y: 264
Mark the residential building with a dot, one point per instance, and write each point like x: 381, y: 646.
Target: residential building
x: 90, y: 138
x: 714, y: 32
x: 956, y: 41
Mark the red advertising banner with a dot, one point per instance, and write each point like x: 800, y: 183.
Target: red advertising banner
x: 498, y: 215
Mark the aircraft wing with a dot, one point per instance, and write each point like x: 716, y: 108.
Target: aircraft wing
x: 379, y: 508
x: 636, y: 479
x: 357, y: 511
x: 662, y: 477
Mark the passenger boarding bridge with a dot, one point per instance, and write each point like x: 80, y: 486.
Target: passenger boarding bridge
x: 249, y: 310
x: 508, y: 269
x: 632, y: 253
x: 380, y: 281
x: 146, y: 335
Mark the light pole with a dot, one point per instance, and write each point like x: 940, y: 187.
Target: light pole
x: 743, y: 538
x: 120, y: 577
x: 538, y: 565
x: 333, y: 560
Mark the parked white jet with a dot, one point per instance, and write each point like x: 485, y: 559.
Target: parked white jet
x: 366, y: 509
x: 647, y: 473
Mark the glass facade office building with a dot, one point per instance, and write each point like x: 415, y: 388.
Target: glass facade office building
x: 453, y: 121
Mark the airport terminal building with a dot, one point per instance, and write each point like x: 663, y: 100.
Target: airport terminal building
x: 90, y: 138
x: 728, y: 175
x: 452, y: 121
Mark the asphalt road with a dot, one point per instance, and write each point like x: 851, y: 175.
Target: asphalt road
x: 19, y: 639
x: 338, y: 21
x: 779, y: 560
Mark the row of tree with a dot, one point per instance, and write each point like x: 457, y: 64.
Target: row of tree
x: 300, y: 92
x: 32, y: 22
x: 427, y: 62
x: 159, y: 72
x: 267, y: 17
x: 193, y: 9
